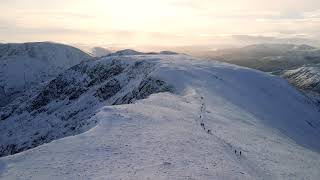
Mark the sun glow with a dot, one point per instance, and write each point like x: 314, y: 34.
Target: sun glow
x: 150, y: 22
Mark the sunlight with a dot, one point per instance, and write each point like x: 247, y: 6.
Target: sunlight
x: 152, y: 22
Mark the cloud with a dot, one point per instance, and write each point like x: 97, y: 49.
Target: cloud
x: 166, y: 22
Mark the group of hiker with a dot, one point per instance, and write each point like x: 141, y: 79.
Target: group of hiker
x: 235, y: 151
x: 208, y: 130
x: 202, y: 123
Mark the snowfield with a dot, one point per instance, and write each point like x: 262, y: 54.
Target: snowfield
x: 190, y: 130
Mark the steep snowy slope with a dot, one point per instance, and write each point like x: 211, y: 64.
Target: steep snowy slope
x: 23, y: 66
x: 192, y: 133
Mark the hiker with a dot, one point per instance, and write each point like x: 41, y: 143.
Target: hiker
x: 235, y: 151
x: 209, y: 131
x: 202, y: 124
x: 240, y: 153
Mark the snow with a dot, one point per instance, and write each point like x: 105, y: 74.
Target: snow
x: 274, y: 126
x: 63, y: 106
x: 306, y: 77
x: 23, y: 66
x: 125, y: 52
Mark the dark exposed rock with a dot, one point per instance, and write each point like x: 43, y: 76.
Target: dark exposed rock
x: 109, y: 89
x: 145, y: 89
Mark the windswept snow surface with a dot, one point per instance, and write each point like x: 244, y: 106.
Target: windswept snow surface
x: 273, y: 125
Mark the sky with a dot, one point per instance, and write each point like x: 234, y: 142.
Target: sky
x: 142, y: 23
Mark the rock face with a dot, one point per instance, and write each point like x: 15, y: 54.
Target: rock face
x: 28, y: 65
x: 64, y: 106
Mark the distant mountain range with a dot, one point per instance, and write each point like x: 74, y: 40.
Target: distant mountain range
x: 269, y: 57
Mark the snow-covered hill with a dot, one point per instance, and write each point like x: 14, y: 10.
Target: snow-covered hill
x: 191, y: 130
x: 24, y: 66
x: 126, y: 52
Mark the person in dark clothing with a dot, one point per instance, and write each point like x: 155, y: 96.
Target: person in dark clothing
x: 235, y: 151
x: 209, y: 131
x: 240, y: 153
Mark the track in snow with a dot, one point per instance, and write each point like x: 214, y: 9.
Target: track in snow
x: 239, y: 159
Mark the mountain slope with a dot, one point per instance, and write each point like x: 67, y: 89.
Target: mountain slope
x: 24, y: 66
x: 166, y: 135
x: 306, y: 77
x: 64, y: 106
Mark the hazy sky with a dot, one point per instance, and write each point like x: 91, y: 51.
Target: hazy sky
x: 158, y: 22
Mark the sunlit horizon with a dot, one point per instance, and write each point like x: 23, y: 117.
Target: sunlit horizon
x: 166, y: 23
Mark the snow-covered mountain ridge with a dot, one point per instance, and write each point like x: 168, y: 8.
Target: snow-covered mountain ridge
x: 191, y: 130
x: 27, y: 65
x: 64, y: 106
